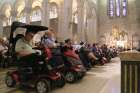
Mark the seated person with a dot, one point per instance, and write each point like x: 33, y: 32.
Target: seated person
x: 24, y: 51
x: 68, y: 49
x: 87, y: 52
x: 48, y: 39
x: 67, y: 45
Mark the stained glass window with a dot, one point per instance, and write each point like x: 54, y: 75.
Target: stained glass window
x: 117, y: 8
x: 22, y: 18
x: 124, y: 7
x: 53, y: 11
x: 111, y: 8
x: 36, y: 15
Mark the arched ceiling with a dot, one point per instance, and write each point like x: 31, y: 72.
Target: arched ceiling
x: 6, y: 10
x: 56, y: 1
x: 37, y: 3
x: 19, y: 6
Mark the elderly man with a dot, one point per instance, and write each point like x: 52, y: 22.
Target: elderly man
x: 25, y: 52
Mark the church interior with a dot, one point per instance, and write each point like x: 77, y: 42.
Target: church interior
x: 112, y: 22
x: 113, y: 25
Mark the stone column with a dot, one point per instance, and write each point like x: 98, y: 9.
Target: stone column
x: 28, y: 9
x: 28, y: 14
x: 45, y: 13
x: 80, y: 19
x: 60, y: 21
x: 13, y: 15
x: 1, y: 25
x: 92, y: 25
x: 67, y: 19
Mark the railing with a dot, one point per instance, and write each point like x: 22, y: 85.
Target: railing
x: 130, y: 72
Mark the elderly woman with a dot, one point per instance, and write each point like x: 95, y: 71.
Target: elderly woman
x: 48, y: 39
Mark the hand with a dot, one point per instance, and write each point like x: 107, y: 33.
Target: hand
x: 46, y: 59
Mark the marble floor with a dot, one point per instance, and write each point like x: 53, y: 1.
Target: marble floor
x: 100, y: 79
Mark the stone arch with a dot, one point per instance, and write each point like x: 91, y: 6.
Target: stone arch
x: 37, y: 3
x: 58, y: 2
x: 19, y: 6
x: 6, y: 9
x: 53, y: 8
x: 36, y: 12
x: 36, y: 16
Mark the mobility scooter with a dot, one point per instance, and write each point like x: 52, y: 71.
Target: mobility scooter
x: 42, y: 79
x: 67, y: 63
x: 74, y: 69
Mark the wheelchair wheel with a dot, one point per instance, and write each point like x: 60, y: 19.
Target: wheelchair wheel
x: 10, y: 82
x: 43, y: 86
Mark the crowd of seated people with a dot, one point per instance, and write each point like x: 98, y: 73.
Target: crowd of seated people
x: 3, y: 49
x: 90, y: 54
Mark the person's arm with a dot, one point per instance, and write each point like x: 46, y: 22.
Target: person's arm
x: 23, y: 53
x: 50, y: 43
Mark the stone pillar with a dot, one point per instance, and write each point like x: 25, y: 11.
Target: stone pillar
x: 28, y: 8
x: 60, y: 22
x: 13, y: 15
x: 92, y: 24
x: 80, y: 19
x: 28, y: 14
x: 45, y: 13
x: 1, y: 25
x: 67, y: 33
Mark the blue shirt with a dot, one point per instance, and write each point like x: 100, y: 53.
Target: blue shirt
x: 48, y: 42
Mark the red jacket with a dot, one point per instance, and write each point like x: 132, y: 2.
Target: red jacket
x: 71, y: 53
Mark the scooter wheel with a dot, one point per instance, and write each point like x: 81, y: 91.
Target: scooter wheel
x: 9, y: 81
x: 43, y: 86
x: 70, y: 77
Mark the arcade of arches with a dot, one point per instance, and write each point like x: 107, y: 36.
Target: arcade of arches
x: 86, y: 20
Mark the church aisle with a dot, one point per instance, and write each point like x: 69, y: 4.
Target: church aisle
x: 100, y: 79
